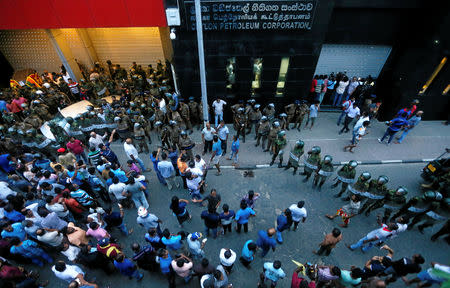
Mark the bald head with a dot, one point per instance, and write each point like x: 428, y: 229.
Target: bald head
x: 271, y: 231
x: 128, y: 141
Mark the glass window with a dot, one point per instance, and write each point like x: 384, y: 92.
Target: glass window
x: 282, y: 77
x: 257, y: 72
x: 231, y: 73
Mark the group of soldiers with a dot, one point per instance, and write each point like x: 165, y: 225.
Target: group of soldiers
x: 428, y: 209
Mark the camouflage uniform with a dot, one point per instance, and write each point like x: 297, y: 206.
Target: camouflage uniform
x: 392, y: 202
x: 346, y: 176
x: 376, y: 192
x: 304, y: 110
x: 139, y: 137
x: 278, y: 147
x: 312, y: 162
x: 325, y: 170
x: 294, y: 156
x: 263, y: 131
x: 187, y: 144
x: 186, y: 116
x: 194, y: 112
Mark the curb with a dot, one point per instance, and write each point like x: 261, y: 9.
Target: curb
x: 370, y: 162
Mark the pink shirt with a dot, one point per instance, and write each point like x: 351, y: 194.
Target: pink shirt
x: 98, y: 233
x: 133, y: 167
x: 75, y: 147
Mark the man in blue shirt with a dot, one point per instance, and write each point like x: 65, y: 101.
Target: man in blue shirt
x: 273, y: 272
x: 265, y: 241
x: 412, y: 122
x: 14, y: 230
x: 212, y: 220
x: 248, y: 251
x: 394, y: 126
x: 172, y: 242
x: 167, y: 171
x: 216, y: 154
x: 234, y: 150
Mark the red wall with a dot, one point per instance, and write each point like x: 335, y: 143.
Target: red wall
x: 45, y: 14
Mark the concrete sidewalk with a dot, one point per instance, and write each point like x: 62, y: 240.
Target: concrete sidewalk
x: 427, y: 141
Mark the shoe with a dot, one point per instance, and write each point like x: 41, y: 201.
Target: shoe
x: 379, y: 140
x: 305, y: 180
x: 320, y: 188
x: 334, y: 185
x: 298, y: 129
x: 280, y: 165
x: 256, y: 145
x: 348, y: 246
x: 271, y: 163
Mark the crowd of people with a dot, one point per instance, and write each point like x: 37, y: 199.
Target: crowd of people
x: 67, y: 195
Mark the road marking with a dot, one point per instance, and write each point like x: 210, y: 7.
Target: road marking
x: 390, y: 161
x: 262, y: 166
x: 427, y: 160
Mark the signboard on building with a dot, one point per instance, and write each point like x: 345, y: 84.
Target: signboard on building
x: 252, y: 15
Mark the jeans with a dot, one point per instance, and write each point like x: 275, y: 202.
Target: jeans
x: 279, y: 237
x: 208, y: 146
x: 239, y: 226
x: 218, y: 118
x: 322, y: 94
x: 390, y: 133
x: 327, y: 249
x: 360, y: 243
x: 223, y: 145
x: 160, y: 177
x: 214, y: 231
x: 39, y: 254
x: 82, y: 155
x: 136, y: 274
x: 140, y: 200
x: 234, y: 155
x: 337, y: 99
x: 141, y: 163
x: 340, y: 117
x: 170, y: 182
x: 405, y: 132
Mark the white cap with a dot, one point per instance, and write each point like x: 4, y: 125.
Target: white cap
x: 39, y: 92
x: 116, y: 119
x: 46, y: 85
x: 142, y: 212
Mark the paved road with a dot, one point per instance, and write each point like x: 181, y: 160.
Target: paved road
x: 279, y: 189
x: 426, y: 141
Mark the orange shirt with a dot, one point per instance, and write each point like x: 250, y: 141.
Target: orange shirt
x: 182, y: 166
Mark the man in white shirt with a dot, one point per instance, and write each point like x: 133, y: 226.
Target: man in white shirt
x: 53, y: 238
x: 298, y: 212
x: 376, y: 235
x: 227, y: 258
x: 118, y: 189
x: 96, y: 140
x: 218, y: 110
x: 133, y: 154
x: 201, y: 164
x: 207, y: 138
x: 68, y: 273
x: 222, y: 132
x: 352, y: 112
x: 358, y: 132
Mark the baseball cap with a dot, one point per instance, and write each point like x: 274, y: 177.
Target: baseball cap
x: 61, y: 150
x: 142, y: 212
x: 196, y: 235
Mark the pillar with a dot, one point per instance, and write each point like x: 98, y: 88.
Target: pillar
x: 64, y: 52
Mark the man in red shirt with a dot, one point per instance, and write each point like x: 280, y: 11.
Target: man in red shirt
x: 108, y: 249
x: 77, y: 148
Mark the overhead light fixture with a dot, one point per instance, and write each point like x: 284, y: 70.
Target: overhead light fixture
x: 446, y: 90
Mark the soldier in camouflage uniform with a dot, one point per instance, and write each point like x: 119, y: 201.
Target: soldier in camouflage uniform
x: 34, y: 121
x: 186, y: 144
x: 123, y: 128
x: 418, y: 205
x: 254, y: 118
x: 376, y: 192
x: 263, y: 131
x: 60, y: 134
x: 269, y: 111
x: 86, y: 89
x: 194, y: 112
x: 164, y: 135
x: 174, y: 134
x: 185, y: 115
x: 312, y: 162
x: 303, y: 110
x: 360, y: 187
x: 240, y: 122
x: 283, y: 121
x: 439, y: 211
x: 139, y: 137
x: 278, y: 147
x: 41, y: 110
x: 273, y: 132
x: 247, y: 111
x: 346, y: 175
x: 392, y: 202
x: 73, y: 129
x: 99, y: 89
x: 146, y: 125
x: 294, y: 156
x: 292, y: 112
x: 234, y: 108
x: 325, y: 170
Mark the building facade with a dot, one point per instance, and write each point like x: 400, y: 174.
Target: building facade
x: 269, y: 50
